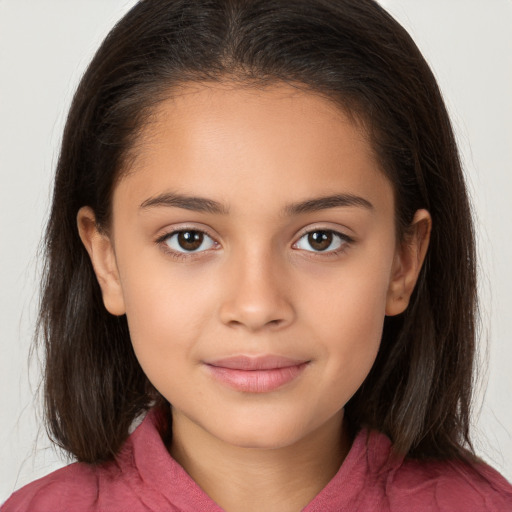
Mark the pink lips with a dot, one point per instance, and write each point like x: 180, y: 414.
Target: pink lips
x: 256, y: 374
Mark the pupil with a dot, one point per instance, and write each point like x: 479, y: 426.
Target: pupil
x: 190, y: 240
x: 320, y: 240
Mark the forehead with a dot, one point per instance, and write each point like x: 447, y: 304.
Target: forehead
x: 272, y: 142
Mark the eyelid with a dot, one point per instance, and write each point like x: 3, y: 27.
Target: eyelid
x: 171, y: 231
x: 337, y: 229
x: 346, y: 239
x: 168, y: 231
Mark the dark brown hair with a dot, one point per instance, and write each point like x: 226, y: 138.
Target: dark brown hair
x: 351, y: 51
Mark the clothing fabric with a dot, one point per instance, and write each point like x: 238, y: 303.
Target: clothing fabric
x: 146, y: 478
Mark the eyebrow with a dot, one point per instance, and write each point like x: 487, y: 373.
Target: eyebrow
x: 326, y: 202
x: 201, y: 204
x: 197, y: 204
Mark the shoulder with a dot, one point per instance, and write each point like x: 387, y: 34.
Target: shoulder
x: 72, y: 486
x: 83, y: 487
x: 451, y: 485
x: 435, y: 485
x: 441, y: 485
x: 142, y: 477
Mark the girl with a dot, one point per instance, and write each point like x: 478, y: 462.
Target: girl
x: 260, y: 249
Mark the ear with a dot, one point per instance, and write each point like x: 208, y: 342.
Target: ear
x: 101, y: 251
x: 409, y: 258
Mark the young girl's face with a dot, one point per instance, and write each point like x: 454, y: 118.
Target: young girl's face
x: 253, y: 250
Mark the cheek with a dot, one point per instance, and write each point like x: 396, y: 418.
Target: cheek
x: 350, y: 297
x: 166, y: 314
x: 349, y: 319
x: 352, y: 331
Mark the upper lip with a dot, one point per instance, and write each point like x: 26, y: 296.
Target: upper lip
x: 266, y: 362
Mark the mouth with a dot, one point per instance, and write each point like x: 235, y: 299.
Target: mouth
x: 260, y: 374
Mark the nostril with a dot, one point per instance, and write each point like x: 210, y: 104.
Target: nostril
x: 256, y: 304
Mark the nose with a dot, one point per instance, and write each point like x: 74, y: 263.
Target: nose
x: 257, y: 294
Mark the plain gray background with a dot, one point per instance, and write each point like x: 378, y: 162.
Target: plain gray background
x: 44, y: 47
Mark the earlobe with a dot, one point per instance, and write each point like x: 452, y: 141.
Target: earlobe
x: 100, y: 250
x: 408, y: 261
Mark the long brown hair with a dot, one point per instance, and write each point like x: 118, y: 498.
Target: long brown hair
x: 353, y: 52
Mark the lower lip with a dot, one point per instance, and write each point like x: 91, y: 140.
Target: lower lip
x: 256, y: 381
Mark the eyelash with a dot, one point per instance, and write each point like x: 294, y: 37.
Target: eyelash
x: 178, y: 255
x: 345, y: 241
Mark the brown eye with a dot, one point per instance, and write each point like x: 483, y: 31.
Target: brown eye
x: 322, y: 240
x: 189, y: 240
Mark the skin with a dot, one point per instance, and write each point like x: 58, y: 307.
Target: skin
x: 257, y: 286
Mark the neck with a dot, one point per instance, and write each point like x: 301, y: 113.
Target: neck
x: 281, y: 479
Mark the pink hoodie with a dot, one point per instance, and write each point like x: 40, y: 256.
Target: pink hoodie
x: 146, y: 478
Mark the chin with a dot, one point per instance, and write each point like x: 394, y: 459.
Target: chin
x: 262, y: 433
